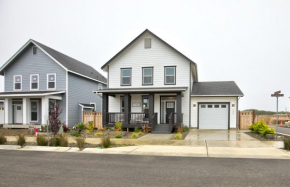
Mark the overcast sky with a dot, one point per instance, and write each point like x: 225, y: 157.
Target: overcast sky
x: 244, y: 41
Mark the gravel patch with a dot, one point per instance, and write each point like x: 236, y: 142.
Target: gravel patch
x: 261, y: 138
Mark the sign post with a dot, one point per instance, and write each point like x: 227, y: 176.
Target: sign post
x: 277, y: 95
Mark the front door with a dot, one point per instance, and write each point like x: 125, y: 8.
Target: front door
x: 18, y: 113
x: 170, y: 108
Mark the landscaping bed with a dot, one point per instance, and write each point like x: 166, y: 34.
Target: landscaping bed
x: 262, y: 138
x: 113, y: 134
x: 15, y: 132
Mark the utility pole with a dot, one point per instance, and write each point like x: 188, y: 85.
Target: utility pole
x: 277, y: 95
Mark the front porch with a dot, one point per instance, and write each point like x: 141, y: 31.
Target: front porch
x: 25, y: 109
x: 137, y: 107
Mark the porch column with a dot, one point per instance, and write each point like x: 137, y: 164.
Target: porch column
x: 178, y: 108
x: 151, y: 106
x: 105, y: 109
x: 127, y: 104
x: 24, y: 115
x: 44, y: 110
x: 7, y: 110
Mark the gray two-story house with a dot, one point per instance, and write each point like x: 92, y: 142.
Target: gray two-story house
x: 37, y: 78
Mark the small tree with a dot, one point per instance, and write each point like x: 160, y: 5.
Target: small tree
x: 54, y: 120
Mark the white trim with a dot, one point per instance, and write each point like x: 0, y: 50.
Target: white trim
x: 15, y: 83
x: 37, y: 82
x: 174, y: 75
x: 66, y: 99
x: 141, y: 90
x: 143, y: 77
x: 95, y: 105
x: 47, y: 81
x: 217, y: 95
x: 86, y: 76
x: 36, y: 110
x: 85, y: 106
x: 37, y: 94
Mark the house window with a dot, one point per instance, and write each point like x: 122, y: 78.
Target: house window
x: 147, y: 43
x: 52, y: 104
x: 147, y: 76
x: 126, y: 77
x: 51, y: 81
x: 169, y: 75
x: 17, y: 82
x: 100, y: 86
x: 145, y: 106
x: 34, y: 50
x: 122, y: 104
x: 34, y: 111
x: 34, y: 82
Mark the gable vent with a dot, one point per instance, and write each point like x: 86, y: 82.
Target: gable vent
x: 147, y: 43
x: 34, y: 50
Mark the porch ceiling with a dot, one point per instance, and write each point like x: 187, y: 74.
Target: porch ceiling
x: 27, y: 94
x: 143, y: 90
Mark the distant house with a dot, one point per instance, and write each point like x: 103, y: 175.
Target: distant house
x: 38, y: 77
x: 150, y: 82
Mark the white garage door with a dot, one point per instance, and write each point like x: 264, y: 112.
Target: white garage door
x: 213, y: 116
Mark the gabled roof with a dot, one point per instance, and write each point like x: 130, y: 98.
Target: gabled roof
x: 147, y: 31
x: 68, y: 63
x: 225, y: 88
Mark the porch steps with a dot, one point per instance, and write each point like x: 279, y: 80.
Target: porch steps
x: 161, y: 129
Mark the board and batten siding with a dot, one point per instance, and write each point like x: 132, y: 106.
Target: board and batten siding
x: 231, y: 100
x: 158, y: 56
x: 27, y: 63
x: 80, y: 90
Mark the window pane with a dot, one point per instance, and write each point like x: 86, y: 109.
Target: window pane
x: 169, y: 70
x: 126, y: 80
x: 33, y: 106
x: 202, y: 106
x: 126, y: 72
x: 216, y: 106
x: 169, y: 80
x: 51, y: 78
x: 224, y: 106
x: 33, y: 116
x: 51, y: 85
x: 51, y: 105
x: 34, y: 50
x: 17, y: 86
x: 34, y: 78
x: 17, y: 78
x: 147, y: 80
x: 209, y: 106
x: 147, y: 71
x: 34, y: 85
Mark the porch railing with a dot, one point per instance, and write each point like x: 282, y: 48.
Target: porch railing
x: 115, y: 117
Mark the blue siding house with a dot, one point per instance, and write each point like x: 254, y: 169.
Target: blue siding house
x: 38, y: 77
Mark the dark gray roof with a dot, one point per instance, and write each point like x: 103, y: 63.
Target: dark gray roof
x: 225, y: 88
x: 138, y: 38
x: 31, y: 92
x: 73, y: 64
x: 86, y: 105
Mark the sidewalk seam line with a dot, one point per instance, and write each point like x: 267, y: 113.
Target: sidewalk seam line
x: 135, y: 149
x: 206, y: 148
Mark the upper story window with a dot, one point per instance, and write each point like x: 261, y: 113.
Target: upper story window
x: 17, y: 82
x: 34, y: 82
x: 147, y: 43
x: 147, y: 76
x: 126, y: 76
x: 51, y: 81
x: 100, y: 86
x: 170, y: 75
x: 34, y: 50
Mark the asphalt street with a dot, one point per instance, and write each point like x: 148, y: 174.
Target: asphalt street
x: 29, y: 168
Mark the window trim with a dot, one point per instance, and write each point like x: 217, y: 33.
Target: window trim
x: 95, y: 106
x: 121, y: 77
x: 33, y: 51
x: 47, y: 81
x: 122, y: 98
x: 36, y: 110
x: 37, y: 82
x: 165, y: 75
x: 17, y: 82
x: 147, y: 76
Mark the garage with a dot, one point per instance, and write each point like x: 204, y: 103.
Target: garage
x: 213, y: 115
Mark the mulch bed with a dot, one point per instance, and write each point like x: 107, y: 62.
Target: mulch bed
x: 261, y: 138
x: 15, y: 132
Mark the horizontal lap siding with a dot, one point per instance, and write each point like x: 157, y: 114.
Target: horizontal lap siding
x: 80, y: 90
x: 26, y: 64
x: 231, y: 100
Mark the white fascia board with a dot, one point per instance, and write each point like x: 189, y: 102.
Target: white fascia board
x: 35, y: 94
x: 217, y: 95
x: 87, y: 77
x: 153, y: 90
x: 86, y: 106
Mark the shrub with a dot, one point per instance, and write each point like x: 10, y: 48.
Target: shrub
x: 76, y: 134
x: 3, y: 139
x: 260, y: 127
x: 136, y: 129
x: 90, y: 127
x: 59, y: 140
x: 65, y: 128
x: 179, y: 129
x: 98, y: 134
x: 106, y: 142
x: 64, y: 141
x: 146, y: 128
x: 80, y: 126
x: 21, y: 140
x: 118, y: 126
x: 41, y: 140
x: 117, y: 135
x: 185, y: 128
x: 134, y: 135
x: 177, y: 136
x: 81, y: 143
x: 286, y: 143
x: 140, y: 133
